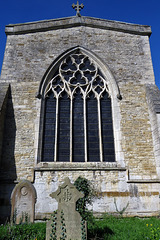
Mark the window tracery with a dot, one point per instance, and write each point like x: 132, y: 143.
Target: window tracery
x: 78, y: 116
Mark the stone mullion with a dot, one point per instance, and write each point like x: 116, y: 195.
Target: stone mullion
x: 56, y: 129
x: 71, y: 125
x: 85, y: 129
x: 100, y: 129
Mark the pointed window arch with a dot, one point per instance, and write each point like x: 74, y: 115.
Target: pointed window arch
x: 77, y: 114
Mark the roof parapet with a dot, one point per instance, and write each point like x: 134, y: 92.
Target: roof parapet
x: 75, y: 21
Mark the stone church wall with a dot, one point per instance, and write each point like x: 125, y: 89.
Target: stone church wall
x: 28, y: 55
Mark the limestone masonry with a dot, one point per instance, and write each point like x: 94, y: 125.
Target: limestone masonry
x: 121, y: 52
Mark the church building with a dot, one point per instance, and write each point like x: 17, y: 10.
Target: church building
x: 78, y: 98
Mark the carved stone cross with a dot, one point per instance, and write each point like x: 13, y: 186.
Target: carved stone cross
x: 67, y: 195
x: 78, y: 8
x: 66, y: 222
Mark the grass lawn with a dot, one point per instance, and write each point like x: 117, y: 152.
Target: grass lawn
x: 107, y: 228
x: 112, y: 228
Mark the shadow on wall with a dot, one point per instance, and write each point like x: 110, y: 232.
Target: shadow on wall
x: 8, y: 168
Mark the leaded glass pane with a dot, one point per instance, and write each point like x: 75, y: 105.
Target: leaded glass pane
x: 107, y: 129
x: 49, y: 129
x: 78, y: 128
x: 63, y: 135
x: 92, y: 129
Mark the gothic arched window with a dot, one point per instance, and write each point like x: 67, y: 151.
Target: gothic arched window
x: 77, y: 124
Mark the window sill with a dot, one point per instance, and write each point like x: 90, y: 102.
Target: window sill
x: 144, y: 181
x: 77, y: 166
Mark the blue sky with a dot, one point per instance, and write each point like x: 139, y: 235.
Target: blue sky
x: 144, y: 12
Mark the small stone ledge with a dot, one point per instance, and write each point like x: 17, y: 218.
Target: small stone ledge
x: 61, y: 23
x: 144, y: 181
x: 54, y: 166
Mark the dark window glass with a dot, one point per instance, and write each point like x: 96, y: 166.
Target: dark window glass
x: 92, y: 129
x: 49, y: 129
x: 63, y: 143
x: 107, y: 129
x: 78, y: 128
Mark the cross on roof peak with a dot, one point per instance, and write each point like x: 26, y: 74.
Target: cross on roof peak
x: 78, y: 8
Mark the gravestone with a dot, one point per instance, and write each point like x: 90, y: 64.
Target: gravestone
x: 23, y: 201
x: 66, y: 223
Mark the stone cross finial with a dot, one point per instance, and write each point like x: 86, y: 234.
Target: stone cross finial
x: 78, y: 8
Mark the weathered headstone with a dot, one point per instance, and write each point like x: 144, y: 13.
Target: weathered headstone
x: 66, y: 223
x: 23, y: 200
